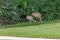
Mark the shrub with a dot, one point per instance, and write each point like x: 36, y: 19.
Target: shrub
x: 50, y: 9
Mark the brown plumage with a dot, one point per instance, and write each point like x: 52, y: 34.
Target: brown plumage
x: 37, y: 15
x: 30, y: 18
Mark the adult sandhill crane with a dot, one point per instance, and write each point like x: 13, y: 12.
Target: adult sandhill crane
x: 37, y: 15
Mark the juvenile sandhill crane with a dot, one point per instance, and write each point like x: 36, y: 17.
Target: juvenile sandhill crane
x: 37, y: 15
x: 30, y: 18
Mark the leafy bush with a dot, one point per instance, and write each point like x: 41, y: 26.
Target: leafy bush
x: 49, y: 9
x: 7, y: 8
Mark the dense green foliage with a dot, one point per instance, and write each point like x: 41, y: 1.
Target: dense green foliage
x: 50, y: 9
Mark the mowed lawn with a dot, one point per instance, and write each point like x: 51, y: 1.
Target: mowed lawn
x: 49, y: 29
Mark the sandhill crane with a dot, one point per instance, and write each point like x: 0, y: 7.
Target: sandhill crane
x: 30, y: 18
x: 37, y: 15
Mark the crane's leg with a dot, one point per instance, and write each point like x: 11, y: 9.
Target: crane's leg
x: 40, y: 19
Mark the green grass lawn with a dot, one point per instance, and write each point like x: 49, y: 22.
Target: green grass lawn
x: 49, y: 29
